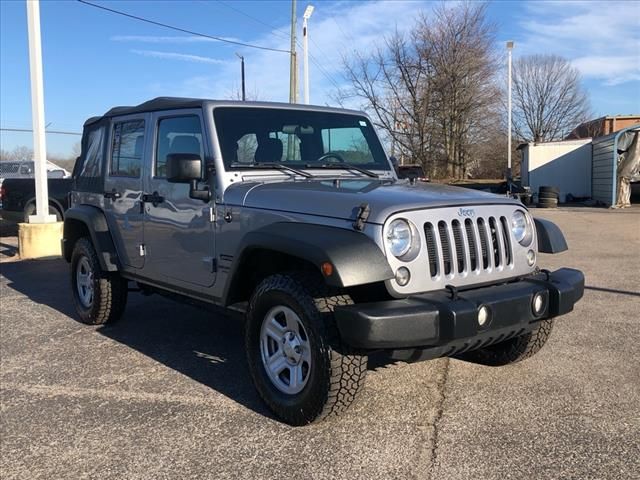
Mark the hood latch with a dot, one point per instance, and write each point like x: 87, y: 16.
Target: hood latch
x: 361, y: 217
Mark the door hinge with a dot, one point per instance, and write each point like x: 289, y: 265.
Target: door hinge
x: 143, y: 250
x: 212, y: 214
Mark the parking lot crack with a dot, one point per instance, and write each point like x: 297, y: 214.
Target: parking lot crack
x: 427, y: 456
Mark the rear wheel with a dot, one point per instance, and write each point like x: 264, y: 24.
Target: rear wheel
x: 99, y: 297
x: 298, y: 364
x: 513, y: 350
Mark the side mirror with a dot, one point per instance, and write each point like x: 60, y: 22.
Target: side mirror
x: 183, y: 167
x: 187, y: 168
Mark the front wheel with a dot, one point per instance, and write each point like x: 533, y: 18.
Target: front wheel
x: 298, y: 364
x: 512, y: 350
x: 99, y: 297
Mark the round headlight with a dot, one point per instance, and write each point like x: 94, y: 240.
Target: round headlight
x: 398, y: 237
x: 521, y: 228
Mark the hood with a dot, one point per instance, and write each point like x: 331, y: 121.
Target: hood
x: 342, y: 198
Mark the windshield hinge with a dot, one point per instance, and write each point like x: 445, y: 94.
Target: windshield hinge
x: 361, y: 217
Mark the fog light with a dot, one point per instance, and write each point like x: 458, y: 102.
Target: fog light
x: 403, y: 276
x: 484, y: 315
x: 538, y: 304
x: 531, y: 257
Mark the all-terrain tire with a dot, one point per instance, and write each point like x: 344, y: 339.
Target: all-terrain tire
x: 547, y: 203
x: 548, y: 195
x: 548, y: 189
x: 109, y: 289
x: 513, y: 350
x: 337, y: 372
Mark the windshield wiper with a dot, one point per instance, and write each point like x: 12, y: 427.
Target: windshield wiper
x: 344, y: 166
x: 278, y: 166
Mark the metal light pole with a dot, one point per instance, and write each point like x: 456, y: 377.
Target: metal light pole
x: 244, y: 96
x: 293, y: 66
x: 37, y: 114
x: 305, y: 48
x: 509, y: 49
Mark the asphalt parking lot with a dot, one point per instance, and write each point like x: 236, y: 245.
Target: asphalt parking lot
x: 165, y: 393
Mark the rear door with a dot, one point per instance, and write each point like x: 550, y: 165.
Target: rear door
x: 179, y: 233
x: 123, y: 187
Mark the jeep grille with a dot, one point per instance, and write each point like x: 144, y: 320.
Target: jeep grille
x: 460, y: 246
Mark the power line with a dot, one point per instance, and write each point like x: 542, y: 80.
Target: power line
x: 183, y: 30
x: 59, y: 132
x: 276, y: 32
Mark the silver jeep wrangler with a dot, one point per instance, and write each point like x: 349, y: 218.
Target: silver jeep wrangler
x: 295, y: 215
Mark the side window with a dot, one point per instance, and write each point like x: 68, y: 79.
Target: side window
x: 93, y: 157
x: 127, y: 146
x: 177, y: 135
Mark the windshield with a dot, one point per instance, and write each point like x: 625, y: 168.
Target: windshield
x: 296, y: 138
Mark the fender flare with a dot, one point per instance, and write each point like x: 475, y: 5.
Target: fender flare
x: 355, y: 257
x: 96, y: 224
x: 550, y: 237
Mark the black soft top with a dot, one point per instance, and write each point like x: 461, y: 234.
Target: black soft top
x: 159, y: 103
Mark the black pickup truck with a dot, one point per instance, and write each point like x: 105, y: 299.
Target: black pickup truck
x: 18, y: 198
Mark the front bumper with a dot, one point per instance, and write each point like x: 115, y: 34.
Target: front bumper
x: 447, y: 325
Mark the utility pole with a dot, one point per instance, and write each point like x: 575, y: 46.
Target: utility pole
x: 241, y: 57
x: 37, y: 114
x: 293, y: 73
x: 305, y: 51
x: 509, y: 48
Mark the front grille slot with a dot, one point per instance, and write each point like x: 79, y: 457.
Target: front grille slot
x: 474, y: 245
x: 432, y: 249
x: 484, y: 242
x: 457, y: 239
x: 495, y: 244
x: 507, y: 240
x: 445, y: 247
x: 471, y: 240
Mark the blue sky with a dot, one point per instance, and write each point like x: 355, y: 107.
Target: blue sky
x: 94, y: 59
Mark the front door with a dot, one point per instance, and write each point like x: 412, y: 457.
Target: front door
x: 179, y: 236
x: 123, y: 188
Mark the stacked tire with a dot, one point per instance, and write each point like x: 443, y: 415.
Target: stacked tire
x: 548, y: 197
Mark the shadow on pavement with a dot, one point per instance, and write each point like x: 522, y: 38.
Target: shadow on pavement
x: 204, y: 345
x: 612, y: 290
x: 200, y: 344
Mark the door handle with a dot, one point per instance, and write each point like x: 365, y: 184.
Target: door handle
x: 113, y: 194
x: 153, y: 198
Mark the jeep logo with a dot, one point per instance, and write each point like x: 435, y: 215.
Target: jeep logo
x: 466, y: 212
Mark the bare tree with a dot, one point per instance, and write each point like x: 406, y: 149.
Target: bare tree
x: 20, y: 153
x: 394, y: 82
x: 548, y: 98
x: 432, y: 91
x: 458, y: 42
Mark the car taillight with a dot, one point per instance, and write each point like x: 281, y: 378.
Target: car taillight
x: 1, y: 193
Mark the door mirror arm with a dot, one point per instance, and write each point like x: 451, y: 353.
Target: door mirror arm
x: 196, y: 193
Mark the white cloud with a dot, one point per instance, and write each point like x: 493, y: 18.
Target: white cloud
x: 334, y: 30
x: 613, y: 70
x: 178, y: 56
x: 602, y: 40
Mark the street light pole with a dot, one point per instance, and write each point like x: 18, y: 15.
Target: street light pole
x: 293, y: 64
x: 37, y: 114
x: 305, y: 49
x: 509, y: 49
x: 241, y: 57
